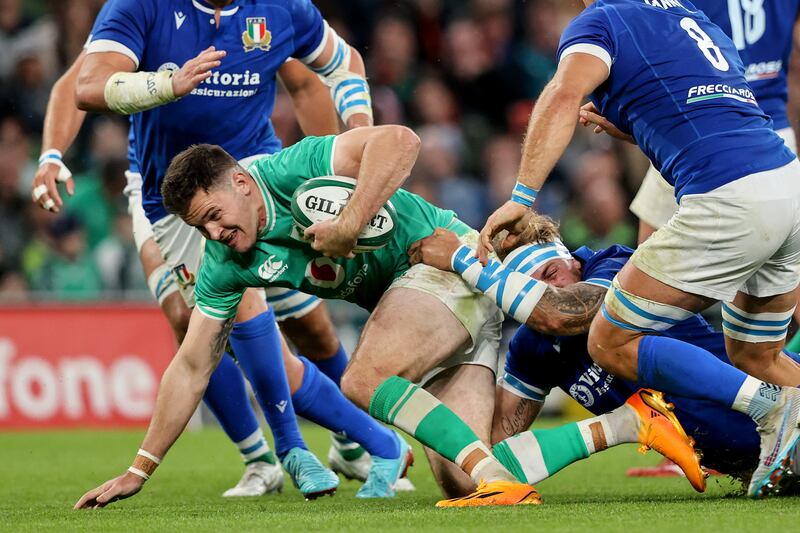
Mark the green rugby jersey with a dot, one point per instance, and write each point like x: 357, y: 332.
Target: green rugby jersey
x: 280, y: 260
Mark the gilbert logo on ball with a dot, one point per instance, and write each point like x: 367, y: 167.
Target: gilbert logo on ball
x: 324, y: 198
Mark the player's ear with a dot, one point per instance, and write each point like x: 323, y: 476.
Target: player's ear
x: 241, y: 181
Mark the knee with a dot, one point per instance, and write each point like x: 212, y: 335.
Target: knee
x: 178, y: 314
x: 607, y: 348
x: 355, y: 387
x: 752, y: 360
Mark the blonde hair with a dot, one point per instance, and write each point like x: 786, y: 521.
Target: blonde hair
x: 537, y: 229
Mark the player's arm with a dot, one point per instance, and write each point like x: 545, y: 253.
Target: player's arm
x: 108, y: 81
x: 62, y: 122
x: 380, y: 158
x: 342, y: 68
x: 550, y: 130
x: 182, y: 387
x: 544, y: 308
x: 311, y: 98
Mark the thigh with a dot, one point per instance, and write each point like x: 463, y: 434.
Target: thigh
x: 182, y: 248
x: 407, y: 334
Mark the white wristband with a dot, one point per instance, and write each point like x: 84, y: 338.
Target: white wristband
x: 140, y: 473
x: 145, y: 453
x: 131, y: 92
x: 53, y: 157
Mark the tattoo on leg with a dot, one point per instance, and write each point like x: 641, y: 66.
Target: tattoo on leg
x: 518, y: 421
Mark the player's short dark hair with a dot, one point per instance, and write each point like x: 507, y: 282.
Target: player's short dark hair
x: 199, y: 167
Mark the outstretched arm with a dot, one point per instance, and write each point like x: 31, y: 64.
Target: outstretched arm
x: 182, y: 387
x: 313, y: 106
x: 550, y: 130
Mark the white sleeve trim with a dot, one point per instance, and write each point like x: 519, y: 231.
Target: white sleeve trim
x: 320, y: 47
x: 212, y: 317
x: 587, y: 48
x: 333, y: 156
x: 107, y: 45
x: 88, y: 42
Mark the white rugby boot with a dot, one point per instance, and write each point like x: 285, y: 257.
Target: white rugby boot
x: 259, y: 478
x: 780, y: 434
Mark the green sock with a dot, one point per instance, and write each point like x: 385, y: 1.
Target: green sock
x: 399, y: 402
x: 267, y: 457
x: 794, y: 344
x: 536, y: 455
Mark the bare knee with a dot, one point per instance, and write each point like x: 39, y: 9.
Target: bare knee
x: 357, y: 386
x: 313, y: 334
x: 613, y: 349
x: 177, y: 313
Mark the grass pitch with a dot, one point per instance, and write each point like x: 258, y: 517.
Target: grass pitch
x: 43, y: 474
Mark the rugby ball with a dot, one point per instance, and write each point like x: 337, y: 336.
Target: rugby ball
x: 324, y: 198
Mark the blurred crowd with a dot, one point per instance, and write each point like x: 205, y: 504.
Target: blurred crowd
x: 465, y: 74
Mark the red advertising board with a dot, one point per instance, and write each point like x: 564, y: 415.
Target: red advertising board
x: 81, y: 366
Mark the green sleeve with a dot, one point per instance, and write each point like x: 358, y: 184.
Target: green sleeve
x: 285, y: 171
x: 217, y: 291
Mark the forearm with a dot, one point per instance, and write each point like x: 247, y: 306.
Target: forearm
x: 63, y: 119
x: 550, y: 130
x: 386, y: 162
x: 541, y: 307
x: 311, y: 98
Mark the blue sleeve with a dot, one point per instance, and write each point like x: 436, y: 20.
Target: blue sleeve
x: 601, y: 268
x: 586, y: 33
x: 309, y: 27
x: 124, y: 28
x: 529, y: 362
x: 101, y: 16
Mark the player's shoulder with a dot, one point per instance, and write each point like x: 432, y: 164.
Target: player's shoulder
x: 607, y: 260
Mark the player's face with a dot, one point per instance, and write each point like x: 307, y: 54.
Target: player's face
x: 559, y: 272
x: 227, y: 215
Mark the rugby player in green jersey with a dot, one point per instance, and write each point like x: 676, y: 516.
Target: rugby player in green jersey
x: 426, y: 326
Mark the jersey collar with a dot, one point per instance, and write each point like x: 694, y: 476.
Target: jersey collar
x: 205, y: 8
x: 266, y: 197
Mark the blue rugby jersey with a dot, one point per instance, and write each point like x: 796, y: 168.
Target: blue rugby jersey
x: 678, y: 86
x: 728, y: 439
x: 231, y: 108
x: 762, y: 31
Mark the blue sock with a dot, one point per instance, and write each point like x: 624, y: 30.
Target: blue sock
x: 257, y: 346
x: 333, y: 367
x: 683, y: 369
x: 319, y: 400
x: 226, y: 397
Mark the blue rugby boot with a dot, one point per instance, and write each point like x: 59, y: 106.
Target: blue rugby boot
x: 384, y: 474
x: 308, y: 474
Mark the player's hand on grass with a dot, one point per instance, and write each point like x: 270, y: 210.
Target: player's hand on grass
x: 333, y: 238
x: 119, y: 488
x: 435, y: 250
x: 196, y: 71
x: 589, y: 115
x: 510, y: 216
x: 44, y: 189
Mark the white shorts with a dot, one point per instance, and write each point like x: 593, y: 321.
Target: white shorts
x: 142, y: 230
x: 743, y: 236
x: 477, y: 313
x: 655, y: 202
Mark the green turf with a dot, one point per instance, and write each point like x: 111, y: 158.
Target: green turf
x: 43, y: 474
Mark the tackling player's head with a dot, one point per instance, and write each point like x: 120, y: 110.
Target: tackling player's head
x: 209, y: 190
x: 538, y: 251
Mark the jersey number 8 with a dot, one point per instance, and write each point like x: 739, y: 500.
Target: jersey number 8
x: 705, y: 44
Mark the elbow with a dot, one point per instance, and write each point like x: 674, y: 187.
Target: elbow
x: 83, y: 97
x: 405, y: 138
x: 548, y: 324
x: 89, y: 93
x: 562, y: 95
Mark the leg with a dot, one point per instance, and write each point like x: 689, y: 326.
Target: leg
x: 467, y: 391
x: 408, y: 333
x: 512, y: 414
x: 764, y: 360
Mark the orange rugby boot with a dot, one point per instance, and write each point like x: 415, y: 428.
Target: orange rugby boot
x: 661, y: 431
x: 496, y: 493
